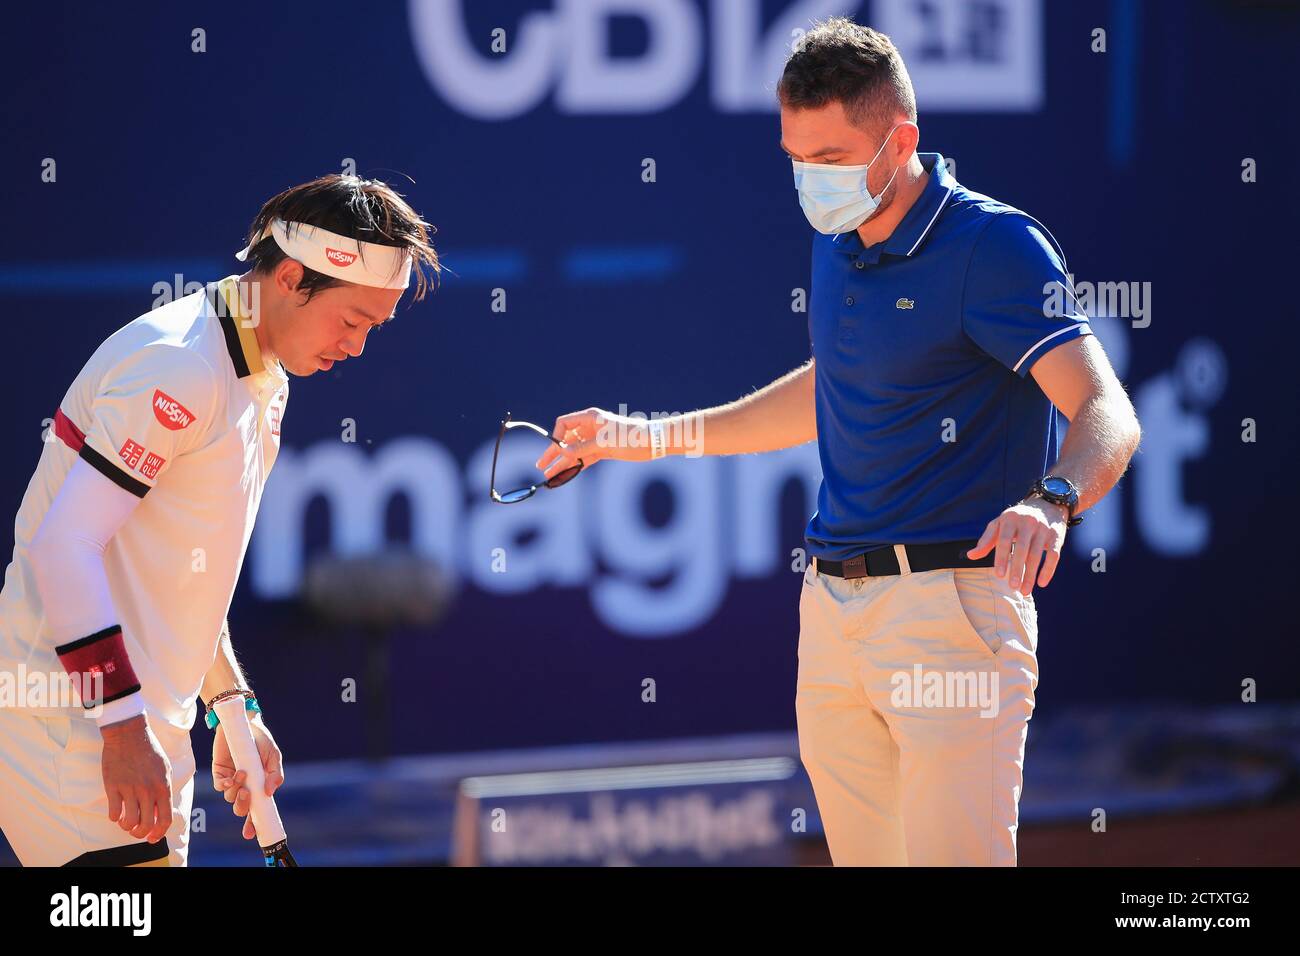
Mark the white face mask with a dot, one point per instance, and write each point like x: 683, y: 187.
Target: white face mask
x: 836, y: 198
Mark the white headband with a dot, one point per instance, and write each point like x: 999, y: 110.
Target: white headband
x: 365, y: 263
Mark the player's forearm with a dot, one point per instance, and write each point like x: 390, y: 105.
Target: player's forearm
x: 67, y: 560
x: 779, y: 415
x: 225, y: 672
x: 1098, y: 447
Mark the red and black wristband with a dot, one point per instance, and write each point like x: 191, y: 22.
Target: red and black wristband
x: 99, y: 657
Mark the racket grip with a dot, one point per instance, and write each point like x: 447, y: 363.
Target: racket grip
x: 243, y: 749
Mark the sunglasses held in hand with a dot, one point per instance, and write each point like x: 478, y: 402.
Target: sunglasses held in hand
x: 523, y: 494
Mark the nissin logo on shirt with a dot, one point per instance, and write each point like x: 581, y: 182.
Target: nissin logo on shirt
x: 339, y: 257
x: 169, y: 412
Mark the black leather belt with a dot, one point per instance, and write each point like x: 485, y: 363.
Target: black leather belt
x: 920, y: 557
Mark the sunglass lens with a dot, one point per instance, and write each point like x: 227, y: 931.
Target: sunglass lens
x: 567, y: 475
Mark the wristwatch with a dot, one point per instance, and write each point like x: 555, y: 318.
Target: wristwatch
x: 1059, y: 491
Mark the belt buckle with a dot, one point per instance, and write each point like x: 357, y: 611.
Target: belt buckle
x: 855, y: 567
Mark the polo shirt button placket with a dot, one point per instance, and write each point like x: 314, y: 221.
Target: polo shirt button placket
x: 860, y: 264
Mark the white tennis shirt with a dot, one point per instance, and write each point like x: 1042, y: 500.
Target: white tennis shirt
x: 180, y: 408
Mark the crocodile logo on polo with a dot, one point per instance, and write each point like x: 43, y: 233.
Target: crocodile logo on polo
x: 905, y: 303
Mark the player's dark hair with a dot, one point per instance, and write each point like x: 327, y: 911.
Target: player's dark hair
x: 366, y: 210
x: 841, y: 61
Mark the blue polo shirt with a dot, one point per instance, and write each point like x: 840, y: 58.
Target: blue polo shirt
x: 929, y: 424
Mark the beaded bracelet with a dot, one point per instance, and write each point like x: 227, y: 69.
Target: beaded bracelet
x: 250, y: 705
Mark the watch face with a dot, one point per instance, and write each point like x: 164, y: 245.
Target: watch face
x: 1057, y: 486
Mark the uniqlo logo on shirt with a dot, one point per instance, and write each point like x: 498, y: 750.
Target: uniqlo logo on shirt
x: 131, y: 453
x: 151, y: 465
x: 274, y: 418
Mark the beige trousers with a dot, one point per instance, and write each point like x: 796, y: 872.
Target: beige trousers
x: 914, y: 696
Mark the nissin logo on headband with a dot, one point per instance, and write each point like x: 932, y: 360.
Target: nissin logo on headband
x: 339, y: 257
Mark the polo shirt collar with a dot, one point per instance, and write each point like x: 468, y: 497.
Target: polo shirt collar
x: 910, y: 234
x: 241, y: 341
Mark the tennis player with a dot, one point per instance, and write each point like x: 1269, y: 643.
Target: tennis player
x: 130, y: 537
x: 936, y: 374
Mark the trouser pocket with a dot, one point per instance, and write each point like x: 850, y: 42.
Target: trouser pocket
x: 975, y: 610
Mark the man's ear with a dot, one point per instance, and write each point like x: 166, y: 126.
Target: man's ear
x: 288, y: 276
x: 906, y: 139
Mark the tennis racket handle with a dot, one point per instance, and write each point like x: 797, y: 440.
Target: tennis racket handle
x: 243, y: 749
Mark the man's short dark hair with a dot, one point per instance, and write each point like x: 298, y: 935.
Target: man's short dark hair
x: 366, y: 210
x: 841, y: 61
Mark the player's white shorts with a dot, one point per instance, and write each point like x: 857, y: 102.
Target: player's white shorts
x: 53, y: 809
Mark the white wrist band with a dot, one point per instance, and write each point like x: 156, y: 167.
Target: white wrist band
x: 658, y: 447
x: 124, y: 708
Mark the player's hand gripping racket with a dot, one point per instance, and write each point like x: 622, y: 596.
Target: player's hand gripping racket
x: 243, y: 751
